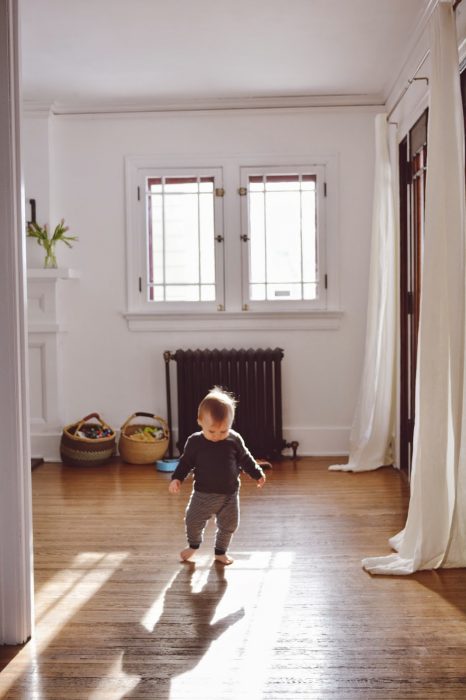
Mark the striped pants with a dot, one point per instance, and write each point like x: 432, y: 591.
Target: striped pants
x: 201, y: 507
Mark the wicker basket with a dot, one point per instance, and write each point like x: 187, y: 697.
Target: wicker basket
x: 83, y: 451
x: 136, y: 451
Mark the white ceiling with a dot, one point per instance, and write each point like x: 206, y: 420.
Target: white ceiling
x: 159, y: 51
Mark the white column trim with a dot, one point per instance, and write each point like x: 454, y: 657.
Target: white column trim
x: 15, y: 469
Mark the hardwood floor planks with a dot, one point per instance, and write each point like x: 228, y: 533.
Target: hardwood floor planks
x: 295, y: 617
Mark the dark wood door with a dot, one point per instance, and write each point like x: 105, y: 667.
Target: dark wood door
x: 413, y: 169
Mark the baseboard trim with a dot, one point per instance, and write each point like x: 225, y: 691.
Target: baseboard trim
x: 313, y: 442
x: 319, y: 442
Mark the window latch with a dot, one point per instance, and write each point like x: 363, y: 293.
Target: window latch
x: 219, y: 238
x: 245, y: 237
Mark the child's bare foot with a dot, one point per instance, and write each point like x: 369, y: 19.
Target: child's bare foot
x: 187, y: 553
x: 224, y: 559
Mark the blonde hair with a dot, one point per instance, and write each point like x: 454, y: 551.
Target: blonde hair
x: 220, y: 404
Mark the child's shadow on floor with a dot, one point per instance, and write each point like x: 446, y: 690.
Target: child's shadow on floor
x: 182, y: 634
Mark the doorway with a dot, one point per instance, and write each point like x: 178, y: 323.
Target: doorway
x: 412, y: 177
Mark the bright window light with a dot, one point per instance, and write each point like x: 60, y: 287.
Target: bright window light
x: 283, y: 257
x: 180, y: 239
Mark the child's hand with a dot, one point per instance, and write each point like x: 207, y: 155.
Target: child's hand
x: 175, y: 485
x: 260, y: 482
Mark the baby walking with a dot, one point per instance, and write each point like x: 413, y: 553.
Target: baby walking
x: 216, y: 454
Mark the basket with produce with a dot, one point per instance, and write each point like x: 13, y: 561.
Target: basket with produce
x: 142, y: 442
x: 86, y: 444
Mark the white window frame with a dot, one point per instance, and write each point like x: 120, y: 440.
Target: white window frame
x: 230, y: 313
x: 282, y: 305
x: 137, y: 251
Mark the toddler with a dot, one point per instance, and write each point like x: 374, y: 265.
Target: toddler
x: 216, y: 454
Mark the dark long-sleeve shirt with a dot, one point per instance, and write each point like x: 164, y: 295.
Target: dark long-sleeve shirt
x: 216, y: 465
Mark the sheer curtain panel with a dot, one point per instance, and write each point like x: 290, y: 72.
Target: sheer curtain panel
x: 434, y: 534
x: 372, y: 429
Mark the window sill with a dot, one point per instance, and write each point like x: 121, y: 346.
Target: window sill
x: 229, y: 321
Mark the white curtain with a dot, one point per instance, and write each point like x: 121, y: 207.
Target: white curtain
x: 434, y: 535
x: 372, y: 429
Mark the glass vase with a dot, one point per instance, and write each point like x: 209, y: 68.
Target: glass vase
x: 50, y: 261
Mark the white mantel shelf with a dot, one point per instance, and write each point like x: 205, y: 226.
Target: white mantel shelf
x: 56, y: 273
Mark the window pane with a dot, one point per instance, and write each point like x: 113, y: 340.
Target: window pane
x: 308, y: 184
x: 176, y: 185
x: 206, y: 185
x: 156, y: 293
x: 279, y: 183
x: 256, y: 185
x: 208, y: 292
x: 206, y: 214
x: 257, y: 292
x: 257, y: 237
x: 284, y: 292
x: 183, y: 292
x: 283, y: 237
x: 283, y: 224
x: 155, y: 239
x: 310, y: 291
x: 309, y: 223
x: 180, y: 238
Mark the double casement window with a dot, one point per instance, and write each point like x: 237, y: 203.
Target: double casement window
x: 186, y: 256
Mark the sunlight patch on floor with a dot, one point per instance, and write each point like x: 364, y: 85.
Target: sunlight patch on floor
x: 201, y: 574
x: 66, y: 582
x: 57, y: 602
x: 237, y: 663
x: 85, y: 576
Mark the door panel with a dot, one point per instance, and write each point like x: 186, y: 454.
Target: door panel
x: 412, y: 177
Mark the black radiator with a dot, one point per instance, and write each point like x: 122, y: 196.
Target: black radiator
x: 253, y: 376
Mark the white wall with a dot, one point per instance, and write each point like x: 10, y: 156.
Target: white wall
x: 115, y: 371
x: 36, y: 143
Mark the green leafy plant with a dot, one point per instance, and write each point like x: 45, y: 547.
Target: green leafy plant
x: 41, y: 234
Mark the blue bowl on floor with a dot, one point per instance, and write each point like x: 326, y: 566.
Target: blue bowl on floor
x: 166, y: 465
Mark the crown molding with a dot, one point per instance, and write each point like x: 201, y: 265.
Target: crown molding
x: 212, y: 104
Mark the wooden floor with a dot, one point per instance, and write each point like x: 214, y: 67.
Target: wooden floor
x: 295, y: 616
